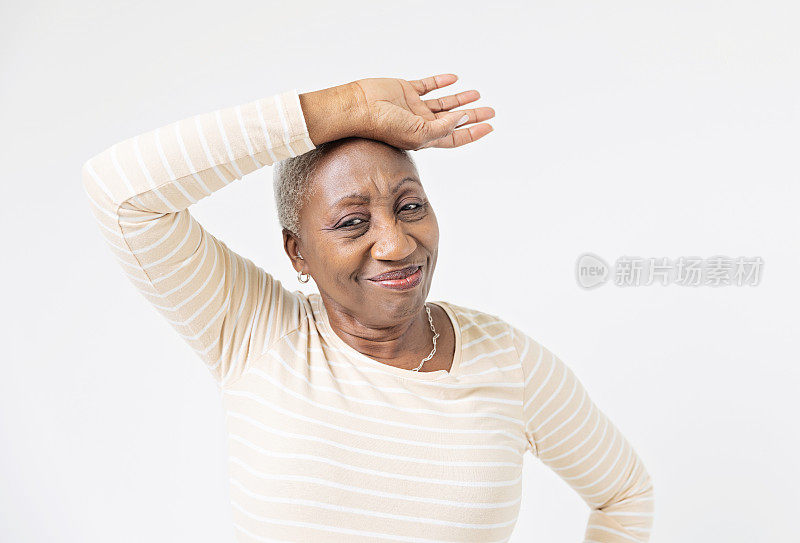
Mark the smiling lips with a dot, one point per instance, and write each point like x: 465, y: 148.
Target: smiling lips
x: 403, y: 279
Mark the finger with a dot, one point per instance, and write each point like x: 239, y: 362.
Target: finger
x: 423, y: 86
x: 443, y: 124
x: 476, y: 115
x: 447, y: 103
x: 462, y: 136
x: 447, y: 121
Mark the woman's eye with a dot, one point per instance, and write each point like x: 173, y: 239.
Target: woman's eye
x: 412, y: 207
x: 351, y: 222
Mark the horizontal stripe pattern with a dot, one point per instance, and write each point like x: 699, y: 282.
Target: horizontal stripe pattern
x: 326, y: 444
x: 573, y: 437
x: 224, y: 306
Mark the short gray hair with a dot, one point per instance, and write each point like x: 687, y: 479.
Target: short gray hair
x: 292, y: 180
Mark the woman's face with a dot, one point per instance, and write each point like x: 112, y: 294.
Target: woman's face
x: 368, y: 214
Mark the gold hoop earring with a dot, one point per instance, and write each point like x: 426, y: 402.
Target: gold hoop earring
x: 302, y: 277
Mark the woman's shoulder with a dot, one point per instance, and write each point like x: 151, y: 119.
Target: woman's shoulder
x: 475, y: 323
x: 472, y: 316
x: 478, y: 326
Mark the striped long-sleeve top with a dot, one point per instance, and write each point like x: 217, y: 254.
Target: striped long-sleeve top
x: 326, y: 444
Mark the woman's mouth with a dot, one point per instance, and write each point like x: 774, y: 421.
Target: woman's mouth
x: 404, y: 279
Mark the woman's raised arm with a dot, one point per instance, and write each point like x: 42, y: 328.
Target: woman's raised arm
x: 225, y: 307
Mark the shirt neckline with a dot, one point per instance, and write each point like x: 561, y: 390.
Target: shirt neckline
x: 339, y: 343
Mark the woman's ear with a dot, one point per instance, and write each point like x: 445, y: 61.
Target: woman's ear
x: 292, y: 247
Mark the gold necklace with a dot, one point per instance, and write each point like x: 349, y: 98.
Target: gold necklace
x: 435, y: 335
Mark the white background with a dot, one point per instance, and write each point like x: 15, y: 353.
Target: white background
x: 623, y: 128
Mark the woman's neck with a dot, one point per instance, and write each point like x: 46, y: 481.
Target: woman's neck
x: 402, y: 344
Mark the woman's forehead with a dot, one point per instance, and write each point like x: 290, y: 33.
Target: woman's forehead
x: 362, y: 166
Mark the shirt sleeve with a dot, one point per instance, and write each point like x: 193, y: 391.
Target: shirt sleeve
x: 225, y: 307
x: 574, y: 438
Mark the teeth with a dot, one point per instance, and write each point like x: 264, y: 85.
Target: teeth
x: 405, y: 278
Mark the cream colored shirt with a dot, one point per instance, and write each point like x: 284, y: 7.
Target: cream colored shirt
x: 327, y: 444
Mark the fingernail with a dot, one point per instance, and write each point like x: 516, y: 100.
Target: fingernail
x: 462, y: 120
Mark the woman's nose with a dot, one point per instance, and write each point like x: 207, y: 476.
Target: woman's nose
x: 392, y: 242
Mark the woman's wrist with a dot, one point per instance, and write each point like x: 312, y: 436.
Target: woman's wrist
x: 332, y: 113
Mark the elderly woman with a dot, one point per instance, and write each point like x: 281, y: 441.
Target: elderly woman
x: 363, y: 412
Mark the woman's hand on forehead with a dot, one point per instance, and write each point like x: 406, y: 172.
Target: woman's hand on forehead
x: 394, y: 111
